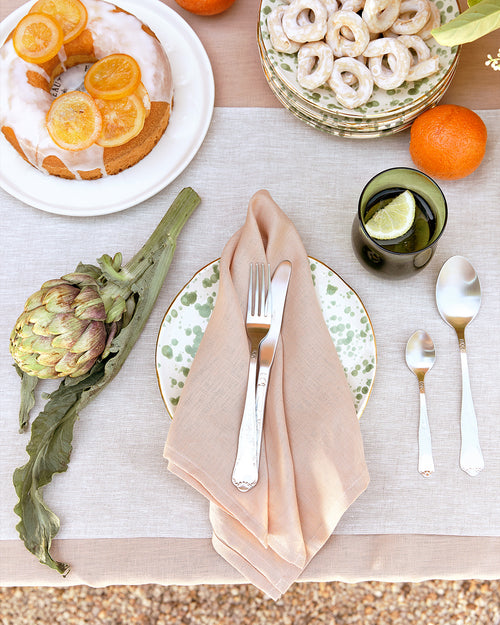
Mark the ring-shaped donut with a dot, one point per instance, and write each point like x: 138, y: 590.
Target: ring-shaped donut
x: 341, y: 45
x: 380, y: 15
x: 417, y: 44
x: 279, y: 41
x: 424, y: 68
x: 418, y: 12
x: 353, y: 5
x: 346, y: 95
x: 350, y: 79
x: 434, y: 21
x: 331, y: 7
x: 422, y: 65
x: 304, y: 18
x: 395, y: 75
x: 315, y: 64
x: 312, y: 29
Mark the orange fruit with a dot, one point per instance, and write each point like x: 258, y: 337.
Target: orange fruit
x: 205, y: 7
x: 74, y: 121
x: 70, y: 14
x: 122, y: 120
x: 37, y: 38
x: 113, y: 77
x: 448, y: 141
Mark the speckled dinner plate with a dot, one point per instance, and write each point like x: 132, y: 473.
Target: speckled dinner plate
x: 354, y: 128
x: 382, y: 102
x: 187, y: 317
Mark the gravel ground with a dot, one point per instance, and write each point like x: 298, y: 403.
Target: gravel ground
x: 371, y: 603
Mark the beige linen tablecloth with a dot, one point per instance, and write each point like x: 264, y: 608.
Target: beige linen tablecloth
x: 124, y: 518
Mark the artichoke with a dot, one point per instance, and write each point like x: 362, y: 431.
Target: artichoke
x: 81, y: 328
x: 62, y: 330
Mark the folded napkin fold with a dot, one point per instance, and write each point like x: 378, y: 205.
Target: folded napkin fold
x: 312, y: 463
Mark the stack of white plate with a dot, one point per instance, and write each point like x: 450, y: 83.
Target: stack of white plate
x: 386, y: 112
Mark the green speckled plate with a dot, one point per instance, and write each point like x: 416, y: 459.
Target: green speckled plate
x: 382, y: 103
x: 187, y: 317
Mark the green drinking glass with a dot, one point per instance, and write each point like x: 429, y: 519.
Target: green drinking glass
x: 410, y: 252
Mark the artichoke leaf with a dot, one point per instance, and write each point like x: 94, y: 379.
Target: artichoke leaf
x: 49, y: 452
x: 28, y: 385
x: 50, y: 445
x: 478, y: 20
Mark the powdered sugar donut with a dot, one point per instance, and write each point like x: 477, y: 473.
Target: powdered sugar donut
x: 434, y: 21
x: 279, y: 40
x: 380, y: 15
x: 395, y: 74
x: 346, y: 94
x: 413, y: 17
x: 315, y: 64
x: 353, y: 5
x: 312, y: 26
x: 423, y: 64
x: 341, y: 45
x: 331, y: 6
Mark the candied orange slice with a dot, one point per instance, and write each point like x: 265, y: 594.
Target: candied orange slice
x: 37, y: 38
x: 122, y: 120
x: 74, y: 121
x: 113, y: 77
x: 142, y: 93
x: 70, y: 14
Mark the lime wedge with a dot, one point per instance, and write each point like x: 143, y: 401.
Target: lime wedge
x: 394, y: 220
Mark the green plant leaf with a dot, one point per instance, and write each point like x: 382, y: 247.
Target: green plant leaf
x: 28, y: 385
x: 477, y: 21
x: 49, y: 448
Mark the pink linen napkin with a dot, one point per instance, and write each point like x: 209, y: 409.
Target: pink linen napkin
x: 312, y: 464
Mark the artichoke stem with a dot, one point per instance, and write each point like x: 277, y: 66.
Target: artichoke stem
x: 121, y: 281
x: 165, y: 234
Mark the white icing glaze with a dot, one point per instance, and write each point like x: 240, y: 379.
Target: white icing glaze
x: 121, y: 32
x: 24, y: 107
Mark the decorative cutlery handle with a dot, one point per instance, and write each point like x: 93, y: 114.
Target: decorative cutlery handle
x: 244, y: 467
x: 471, y: 457
x: 425, y: 460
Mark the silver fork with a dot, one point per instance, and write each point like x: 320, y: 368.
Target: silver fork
x: 258, y: 321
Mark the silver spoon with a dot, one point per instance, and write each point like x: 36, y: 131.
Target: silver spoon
x: 420, y: 356
x: 458, y: 297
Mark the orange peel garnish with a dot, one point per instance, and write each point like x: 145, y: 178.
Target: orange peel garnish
x: 71, y: 15
x: 37, y: 38
x: 113, y: 77
x: 74, y: 121
x: 122, y: 120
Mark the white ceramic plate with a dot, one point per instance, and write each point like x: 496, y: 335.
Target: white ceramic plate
x: 187, y: 318
x: 189, y: 122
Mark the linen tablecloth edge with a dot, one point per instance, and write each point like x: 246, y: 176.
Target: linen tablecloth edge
x: 185, y: 561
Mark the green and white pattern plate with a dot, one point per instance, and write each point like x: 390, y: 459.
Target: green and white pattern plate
x: 381, y: 102
x: 187, y: 317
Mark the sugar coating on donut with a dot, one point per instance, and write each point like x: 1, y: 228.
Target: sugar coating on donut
x: 361, y: 30
x: 25, y: 96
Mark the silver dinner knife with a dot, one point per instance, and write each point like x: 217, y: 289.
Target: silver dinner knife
x: 267, y: 349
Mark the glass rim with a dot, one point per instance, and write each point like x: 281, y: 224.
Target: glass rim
x: 381, y: 247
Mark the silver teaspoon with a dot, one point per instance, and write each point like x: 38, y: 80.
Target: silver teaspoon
x: 458, y: 297
x: 420, y: 356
